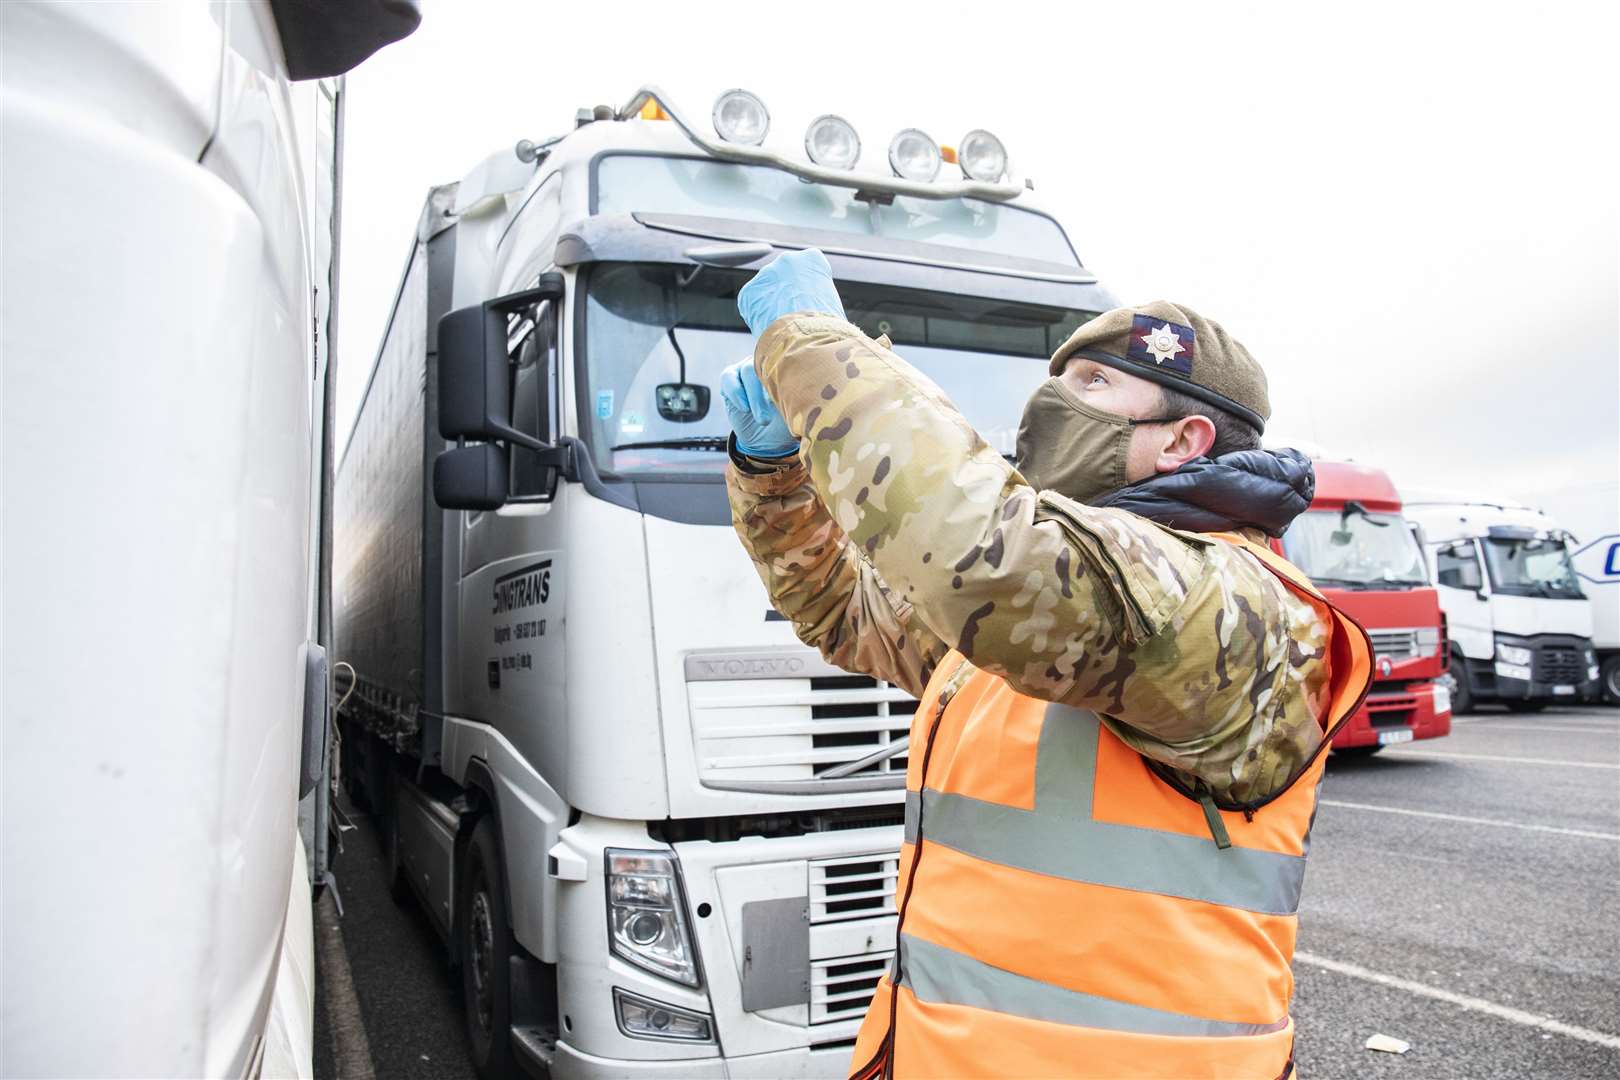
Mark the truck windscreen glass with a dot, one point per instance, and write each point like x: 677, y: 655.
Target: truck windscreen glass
x: 1532, y: 568
x: 631, y: 183
x: 1355, y: 550
x: 645, y: 330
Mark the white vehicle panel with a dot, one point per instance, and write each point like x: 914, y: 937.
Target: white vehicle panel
x: 532, y: 815
x: 1526, y: 616
x: 158, y: 450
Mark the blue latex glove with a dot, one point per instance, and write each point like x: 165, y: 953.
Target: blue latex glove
x: 797, y: 281
x: 760, y: 429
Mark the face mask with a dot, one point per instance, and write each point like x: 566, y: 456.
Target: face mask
x: 1066, y: 446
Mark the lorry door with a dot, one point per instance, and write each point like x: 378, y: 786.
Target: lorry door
x: 1464, y: 591
x: 509, y: 669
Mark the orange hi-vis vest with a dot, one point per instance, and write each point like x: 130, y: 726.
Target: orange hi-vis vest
x: 1066, y: 911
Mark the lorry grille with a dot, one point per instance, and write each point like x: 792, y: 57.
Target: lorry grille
x: 852, y: 888
x: 842, y: 988
x: 785, y: 734
x: 858, y: 887
x: 1560, y: 664
x: 1398, y: 644
x: 1391, y: 710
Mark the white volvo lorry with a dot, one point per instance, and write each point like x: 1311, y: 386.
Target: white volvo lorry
x: 1517, y: 619
x: 170, y: 192
x: 658, y: 834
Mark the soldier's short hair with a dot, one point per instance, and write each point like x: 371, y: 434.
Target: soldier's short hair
x: 1231, y: 433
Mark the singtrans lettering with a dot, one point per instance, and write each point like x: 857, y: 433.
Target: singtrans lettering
x: 523, y: 588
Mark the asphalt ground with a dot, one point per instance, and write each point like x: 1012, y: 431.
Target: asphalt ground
x: 1463, y: 896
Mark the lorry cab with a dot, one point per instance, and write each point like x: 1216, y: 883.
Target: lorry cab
x: 1362, y: 553
x: 1519, y: 621
x: 658, y: 833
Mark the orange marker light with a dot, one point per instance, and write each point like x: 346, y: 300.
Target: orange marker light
x: 652, y: 111
x: 948, y: 154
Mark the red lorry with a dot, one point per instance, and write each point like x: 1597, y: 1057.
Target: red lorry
x: 1360, y: 551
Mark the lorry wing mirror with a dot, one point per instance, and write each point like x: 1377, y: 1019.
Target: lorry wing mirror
x: 473, y: 477
x: 475, y: 390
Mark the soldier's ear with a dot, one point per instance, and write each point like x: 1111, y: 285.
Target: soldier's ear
x: 1188, y: 438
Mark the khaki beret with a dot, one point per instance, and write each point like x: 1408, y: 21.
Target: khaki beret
x: 1176, y: 347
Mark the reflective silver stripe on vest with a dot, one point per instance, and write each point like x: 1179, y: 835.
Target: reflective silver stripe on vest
x: 1060, y: 838
x: 945, y: 977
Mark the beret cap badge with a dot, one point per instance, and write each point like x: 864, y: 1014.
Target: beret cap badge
x: 1162, y: 343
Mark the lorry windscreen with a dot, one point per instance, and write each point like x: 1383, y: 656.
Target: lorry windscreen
x: 644, y: 329
x: 1355, y: 550
x: 643, y: 183
x: 1538, y: 567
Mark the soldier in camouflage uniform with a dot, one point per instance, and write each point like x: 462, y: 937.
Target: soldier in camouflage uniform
x: 890, y: 534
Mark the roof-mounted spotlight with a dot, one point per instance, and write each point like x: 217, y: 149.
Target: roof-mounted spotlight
x: 831, y: 141
x: 914, y: 156
x: 740, y: 117
x: 982, y: 157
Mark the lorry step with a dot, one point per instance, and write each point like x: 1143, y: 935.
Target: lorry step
x: 534, y: 1048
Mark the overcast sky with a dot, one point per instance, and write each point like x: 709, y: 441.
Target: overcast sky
x: 1407, y: 212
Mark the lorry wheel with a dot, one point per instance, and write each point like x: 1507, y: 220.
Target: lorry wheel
x: 1611, y: 680
x: 486, y: 955
x: 1462, y: 698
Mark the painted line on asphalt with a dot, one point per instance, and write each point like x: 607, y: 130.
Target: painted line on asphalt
x: 351, y: 1050
x: 1487, y: 724
x: 1552, y: 727
x: 1559, y: 723
x: 1462, y: 1001
x: 1446, y: 755
x: 1471, y: 820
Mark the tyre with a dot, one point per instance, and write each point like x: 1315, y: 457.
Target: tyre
x: 486, y: 948
x: 1462, y: 697
x: 1353, y: 752
x: 1610, y: 679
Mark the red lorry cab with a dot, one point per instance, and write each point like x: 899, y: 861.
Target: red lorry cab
x: 1360, y: 551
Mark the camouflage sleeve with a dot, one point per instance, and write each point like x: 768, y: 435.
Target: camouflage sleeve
x: 1214, y: 664
x: 829, y: 592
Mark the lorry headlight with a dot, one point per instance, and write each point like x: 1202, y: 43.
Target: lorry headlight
x: 831, y: 141
x: 1513, y: 654
x: 647, y: 914
x: 1428, y: 640
x: 1442, y: 698
x: 982, y: 157
x: 740, y: 117
x: 914, y: 156
x: 645, y: 1018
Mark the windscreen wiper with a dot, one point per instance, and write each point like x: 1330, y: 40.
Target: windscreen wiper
x: 691, y: 442
x: 1341, y: 583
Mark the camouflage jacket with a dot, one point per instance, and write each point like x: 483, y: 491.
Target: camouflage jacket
x: 898, y: 534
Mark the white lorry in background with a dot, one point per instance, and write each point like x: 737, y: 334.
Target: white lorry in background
x: 169, y: 205
x: 658, y: 834
x: 1518, y: 620
x: 1590, y: 509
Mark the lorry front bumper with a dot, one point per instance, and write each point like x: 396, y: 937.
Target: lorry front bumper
x: 1395, y: 707
x: 1512, y: 689
x: 801, y: 1064
x: 1562, y: 667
